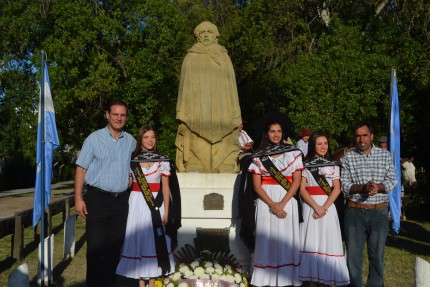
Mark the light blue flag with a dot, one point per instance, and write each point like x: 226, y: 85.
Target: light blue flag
x: 47, y: 139
x: 395, y: 195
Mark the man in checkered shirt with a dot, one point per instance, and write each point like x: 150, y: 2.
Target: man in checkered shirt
x: 367, y: 177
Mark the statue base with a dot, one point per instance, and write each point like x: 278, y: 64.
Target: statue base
x: 210, y: 213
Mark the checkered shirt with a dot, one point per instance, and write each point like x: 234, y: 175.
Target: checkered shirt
x: 359, y: 168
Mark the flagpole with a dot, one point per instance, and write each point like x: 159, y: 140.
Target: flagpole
x: 395, y: 194
x: 42, y: 182
x: 47, y: 141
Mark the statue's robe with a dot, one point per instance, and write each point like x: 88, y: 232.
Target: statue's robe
x: 208, y: 111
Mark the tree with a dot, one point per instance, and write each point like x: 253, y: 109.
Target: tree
x: 324, y: 72
x: 104, y: 51
x: 329, y: 94
x: 18, y: 87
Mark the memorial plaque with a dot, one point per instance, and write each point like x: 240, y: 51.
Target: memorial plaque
x: 212, y: 239
x: 213, y: 201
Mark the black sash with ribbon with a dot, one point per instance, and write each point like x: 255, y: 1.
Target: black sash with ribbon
x: 313, y: 165
x: 154, y: 205
x: 280, y: 178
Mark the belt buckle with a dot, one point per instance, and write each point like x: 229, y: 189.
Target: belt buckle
x: 116, y: 194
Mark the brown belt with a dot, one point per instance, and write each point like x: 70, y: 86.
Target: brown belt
x: 366, y: 206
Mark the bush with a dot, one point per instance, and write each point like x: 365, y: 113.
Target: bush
x: 18, y: 172
x: 419, y: 199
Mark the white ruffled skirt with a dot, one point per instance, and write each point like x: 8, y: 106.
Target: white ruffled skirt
x: 321, y: 248
x: 276, y: 257
x: 138, y: 256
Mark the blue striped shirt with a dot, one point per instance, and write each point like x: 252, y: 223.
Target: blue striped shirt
x: 359, y: 168
x: 107, y: 161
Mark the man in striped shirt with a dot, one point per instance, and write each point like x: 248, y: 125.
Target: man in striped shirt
x: 367, y: 177
x: 103, y: 165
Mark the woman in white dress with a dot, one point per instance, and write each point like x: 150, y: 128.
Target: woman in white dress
x: 276, y: 256
x: 322, y: 257
x: 139, y: 257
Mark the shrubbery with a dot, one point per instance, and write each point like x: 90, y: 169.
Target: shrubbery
x: 419, y: 199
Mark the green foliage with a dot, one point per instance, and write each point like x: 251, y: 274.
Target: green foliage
x: 267, y: 34
x: 18, y: 172
x: 286, y: 58
x: 18, y: 110
x: 418, y: 199
x: 323, y: 93
x: 112, y: 51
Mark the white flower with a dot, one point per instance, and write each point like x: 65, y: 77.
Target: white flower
x: 183, y: 269
x: 237, y: 278
x: 218, y: 271
x: 215, y: 277
x: 227, y: 269
x: 194, y: 264
x: 210, y: 270
x: 199, y: 271
x: 176, y: 276
x: 188, y: 274
x: 229, y: 278
x: 217, y: 266
x: 206, y: 270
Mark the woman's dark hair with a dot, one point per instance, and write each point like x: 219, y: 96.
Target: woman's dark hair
x: 139, y: 147
x: 312, y: 145
x: 265, y: 139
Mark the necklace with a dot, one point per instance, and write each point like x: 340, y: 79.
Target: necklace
x: 148, y: 166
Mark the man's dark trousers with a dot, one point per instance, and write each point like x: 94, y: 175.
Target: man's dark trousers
x: 105, y: 231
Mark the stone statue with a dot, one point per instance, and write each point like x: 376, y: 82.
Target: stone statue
x: 208, y: 107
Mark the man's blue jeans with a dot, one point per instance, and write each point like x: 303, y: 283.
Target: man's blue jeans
x: 363, y: 225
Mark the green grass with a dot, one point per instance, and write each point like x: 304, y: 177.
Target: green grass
x: 414, y: 240
x: 67, y: 272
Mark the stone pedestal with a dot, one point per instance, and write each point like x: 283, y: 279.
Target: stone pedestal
x: 210, y: 204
